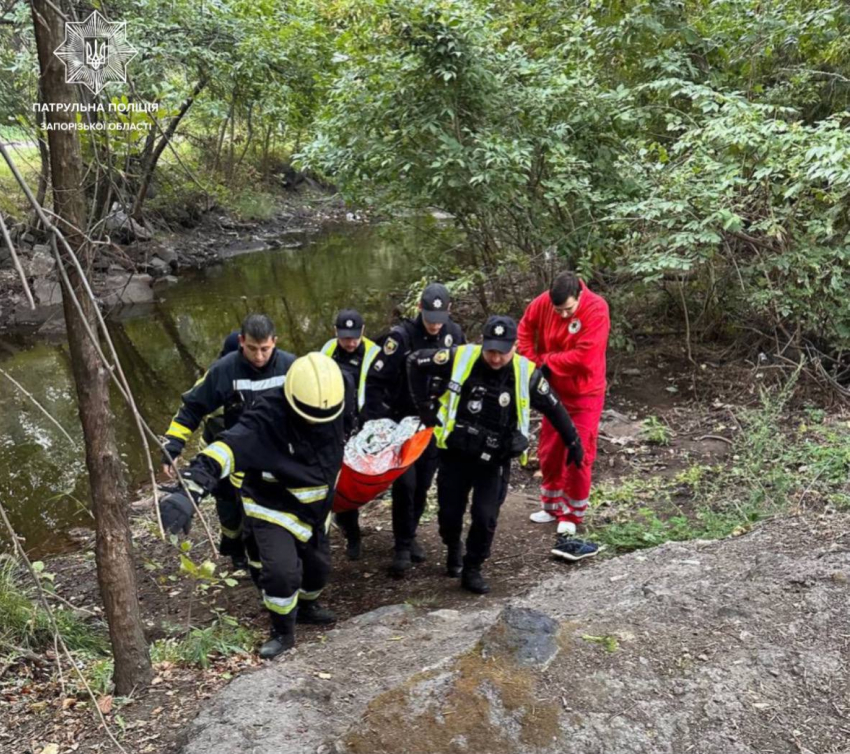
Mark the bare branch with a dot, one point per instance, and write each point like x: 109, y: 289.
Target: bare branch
x: 17, y: 262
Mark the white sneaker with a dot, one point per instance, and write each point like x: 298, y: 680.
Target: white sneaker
x: 566, y: 527
x: 541, y: 517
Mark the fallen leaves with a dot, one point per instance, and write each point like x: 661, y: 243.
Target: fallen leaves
x: 104, y: 704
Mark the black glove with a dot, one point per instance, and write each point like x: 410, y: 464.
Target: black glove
x: 428, y: 412
x: 176, y: 511
x: 575, y: 453
x: 174, y: 449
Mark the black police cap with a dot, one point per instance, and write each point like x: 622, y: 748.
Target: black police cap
x: 435, y: 303
x: 499, y: 333
x: 349, y: 324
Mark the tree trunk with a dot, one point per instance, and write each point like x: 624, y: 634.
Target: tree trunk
x: 113, y: 546
x: 152, y: 157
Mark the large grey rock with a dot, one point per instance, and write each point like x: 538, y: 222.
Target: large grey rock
x: 731, y: 646
x: 127, y: 289
x: 39, y: 265
x: 158, y: 267
x: 124, y: 228
x: 528, y: 637
x: 389, y: 614
x: 47, y: 292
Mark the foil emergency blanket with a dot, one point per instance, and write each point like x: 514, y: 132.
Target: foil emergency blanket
x: 376, y: 448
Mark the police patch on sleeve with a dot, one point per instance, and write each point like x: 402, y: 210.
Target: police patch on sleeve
x: 442, y: 356
x: 390, y: 346
x: 379, y: 365
x: 543, y: 386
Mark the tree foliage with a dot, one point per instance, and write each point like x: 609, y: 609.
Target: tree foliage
x: 694, y: 141
x: 697, y: 142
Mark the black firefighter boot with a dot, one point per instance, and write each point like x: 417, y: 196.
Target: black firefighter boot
x: 472, y: 580
x: 282, y: 638
x: 454, y: 560
x: 276, y: 645
x: 310, y: 611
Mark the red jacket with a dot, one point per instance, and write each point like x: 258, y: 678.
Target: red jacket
x: 572, y: 348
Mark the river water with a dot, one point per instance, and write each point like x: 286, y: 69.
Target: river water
x: 166, y: 346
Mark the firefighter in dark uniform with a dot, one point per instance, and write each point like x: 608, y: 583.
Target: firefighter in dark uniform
x: 481, y: 422
x: 388, y: 396
x: 218, y: 399
x: 290, y: 448
x: 354, y: 353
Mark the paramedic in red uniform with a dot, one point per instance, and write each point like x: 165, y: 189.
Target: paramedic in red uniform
x: 565, y: 333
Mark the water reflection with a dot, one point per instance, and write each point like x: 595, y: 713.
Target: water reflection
x: 165, y: 347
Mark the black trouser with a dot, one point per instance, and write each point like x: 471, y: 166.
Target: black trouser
x: 291, y: 571
x: 228, y: 506
x: 349, y: 524
x: 459, y: 474
x: 410, y: 493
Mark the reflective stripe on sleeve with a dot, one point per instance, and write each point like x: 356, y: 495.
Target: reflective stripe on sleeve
x: 292, y: 524
x: 237, y: 478
x: 178, y: 431
x: 309, y: 494
x: 280, y: 605
x: 231, y: 533
x: 222, y: 455
x: 255, y: 385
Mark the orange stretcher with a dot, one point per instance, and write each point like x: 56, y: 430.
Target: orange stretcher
x: 355, y: 488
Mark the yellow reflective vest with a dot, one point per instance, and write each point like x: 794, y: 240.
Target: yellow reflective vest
x: 371, y: 351
x: 464, y: 359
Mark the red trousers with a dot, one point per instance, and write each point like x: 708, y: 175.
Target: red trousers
x: 565, y: 490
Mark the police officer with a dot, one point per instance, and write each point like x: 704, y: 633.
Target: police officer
x: 218, y: 399
x: 354, y: 353
x: 481, y: 422
x: 388, y: 396
x: 290, y: 447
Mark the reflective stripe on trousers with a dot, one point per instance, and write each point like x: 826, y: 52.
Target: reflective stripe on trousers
x: 292, y: 524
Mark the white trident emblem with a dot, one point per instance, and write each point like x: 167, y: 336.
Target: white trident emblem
x: 97, y: 51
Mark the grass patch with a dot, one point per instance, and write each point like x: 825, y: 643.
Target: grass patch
x: 24, y: 624
x: 225, y: 636
x: 656, y: 432
x: 779, y: 462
